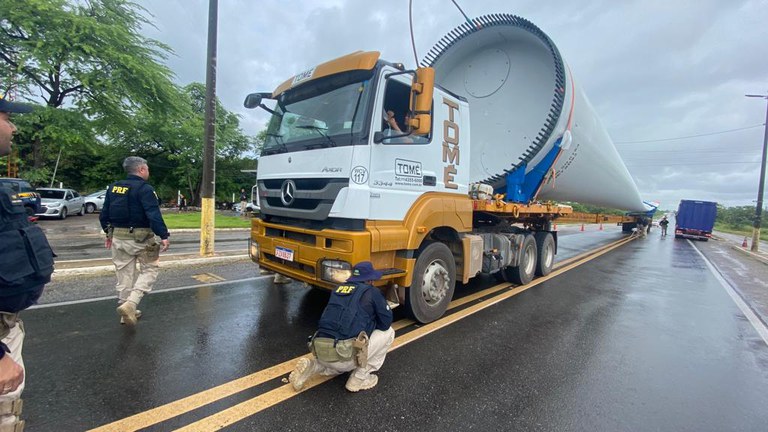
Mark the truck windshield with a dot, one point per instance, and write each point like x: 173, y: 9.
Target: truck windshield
x: 327, y: 113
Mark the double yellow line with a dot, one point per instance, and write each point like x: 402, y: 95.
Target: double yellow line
x: 252, y: 406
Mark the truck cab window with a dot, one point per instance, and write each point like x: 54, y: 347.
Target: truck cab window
x: 394, y: 114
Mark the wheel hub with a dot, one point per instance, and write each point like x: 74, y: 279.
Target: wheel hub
x: 435, y: 284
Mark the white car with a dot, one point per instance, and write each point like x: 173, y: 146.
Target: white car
x: 248, y: 207
x: 60, y: 202
x: 95, y: 201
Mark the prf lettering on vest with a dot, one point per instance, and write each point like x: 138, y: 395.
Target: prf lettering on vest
x: 122, y: 190
x: 450, y: 145
x: 345, y: 289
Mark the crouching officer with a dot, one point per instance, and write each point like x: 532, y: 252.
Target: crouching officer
x: 131, y: 218
x: 354, y: 334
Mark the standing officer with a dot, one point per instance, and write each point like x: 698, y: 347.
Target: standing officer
x: 354, y: 333
x: 663, y: 223
x: 26, y: 265
x: 131, y: 218
x: 243, y: 201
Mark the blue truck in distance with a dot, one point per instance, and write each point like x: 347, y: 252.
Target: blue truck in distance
x: 695, y: 219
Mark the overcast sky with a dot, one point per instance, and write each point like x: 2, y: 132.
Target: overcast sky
x: 653, y: 69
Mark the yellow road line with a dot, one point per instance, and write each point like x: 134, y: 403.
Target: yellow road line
x: 259, y: 403
x: 174, y: 409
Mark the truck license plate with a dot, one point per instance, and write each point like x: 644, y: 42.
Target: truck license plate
x: 284, y: 253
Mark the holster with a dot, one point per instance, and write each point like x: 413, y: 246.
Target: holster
x: 360, y: 344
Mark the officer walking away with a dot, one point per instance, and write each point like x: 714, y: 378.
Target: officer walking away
x: 26, y: 265
x: 663, y: 223
x: 354, y: 334
x: 131, y: 218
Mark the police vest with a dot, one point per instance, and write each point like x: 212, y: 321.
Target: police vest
x: 26, y: 258
x: 125, y: 209
x: 343, y: 318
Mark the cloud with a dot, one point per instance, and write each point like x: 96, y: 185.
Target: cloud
x: 653, y: 69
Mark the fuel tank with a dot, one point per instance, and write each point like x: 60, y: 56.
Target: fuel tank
x: 526, y: 109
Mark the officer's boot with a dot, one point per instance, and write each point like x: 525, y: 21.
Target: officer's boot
x: 355, y: 384
x: 122, y: 320
x: 305, y: 369
x: 127, y: 311
x: 280, y: 279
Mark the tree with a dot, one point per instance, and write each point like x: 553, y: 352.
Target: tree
x: 173, y: 144
x: 89, y: 63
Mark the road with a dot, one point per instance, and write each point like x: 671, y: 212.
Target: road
x: 643, y: 337
x: 81, y: 238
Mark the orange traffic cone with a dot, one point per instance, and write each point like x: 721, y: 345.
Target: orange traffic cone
x: 744, y: 243
x: 582, y: 227
x: 601, y: 226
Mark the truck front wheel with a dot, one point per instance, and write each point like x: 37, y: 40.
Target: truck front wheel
x: 545, y: 244
x: 524, y: 272
x: 434, y: 280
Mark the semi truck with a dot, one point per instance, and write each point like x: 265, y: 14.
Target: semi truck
x: 695, y: 219
x: 492, y: 131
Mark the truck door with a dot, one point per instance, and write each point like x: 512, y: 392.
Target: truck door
x: 402, y: 167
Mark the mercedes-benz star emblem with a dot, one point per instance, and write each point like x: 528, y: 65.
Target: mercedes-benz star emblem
x: 287, y: 192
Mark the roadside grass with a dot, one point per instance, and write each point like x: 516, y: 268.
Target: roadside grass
x: 745, y: 231
x: 174, y: 220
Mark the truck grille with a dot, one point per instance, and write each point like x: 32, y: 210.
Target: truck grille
x: 305, y: 198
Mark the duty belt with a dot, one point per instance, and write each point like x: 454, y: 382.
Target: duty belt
x: 138, y: 234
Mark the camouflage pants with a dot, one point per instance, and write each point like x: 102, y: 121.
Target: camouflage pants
x: 13, y: 330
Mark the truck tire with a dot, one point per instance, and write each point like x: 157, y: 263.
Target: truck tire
x: 524, y: 272
x: 434, y: 280
x: 545, y: 245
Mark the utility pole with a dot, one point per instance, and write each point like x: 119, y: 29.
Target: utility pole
x: 208, y: 189
x: 760, y: 188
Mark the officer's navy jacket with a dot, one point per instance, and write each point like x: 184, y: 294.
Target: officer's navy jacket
x: 133, y: 203
x: 352, y: 308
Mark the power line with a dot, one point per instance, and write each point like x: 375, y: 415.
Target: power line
x: 690, y: 136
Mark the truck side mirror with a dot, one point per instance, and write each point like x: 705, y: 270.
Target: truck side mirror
x: 253, y: 100
x: 422, y: 89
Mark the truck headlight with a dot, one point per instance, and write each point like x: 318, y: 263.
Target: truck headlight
x: 253, y: 249
x: 335, y: 271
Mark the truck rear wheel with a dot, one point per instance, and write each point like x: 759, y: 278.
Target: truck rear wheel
x: 545, y: 245
x: 524, y: 272
x: 434, y: 280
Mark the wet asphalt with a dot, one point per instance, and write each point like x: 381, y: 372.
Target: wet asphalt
x: 641, y: 338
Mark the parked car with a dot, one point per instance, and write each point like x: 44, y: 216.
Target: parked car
x: 251, y: 207
x: 60, y: 202
x: 25, y: 191
x: 95, y: 201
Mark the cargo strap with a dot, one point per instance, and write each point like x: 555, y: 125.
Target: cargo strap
x: 11, y: 407
x: 17, y: 426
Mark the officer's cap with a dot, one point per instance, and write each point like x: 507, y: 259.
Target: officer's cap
x: 364, y: 271
x: 14, y: 107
